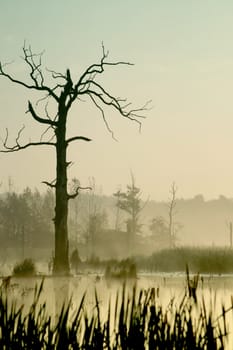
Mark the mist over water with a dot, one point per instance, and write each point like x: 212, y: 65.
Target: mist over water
x: 216, y: 291
x: 153, y: 183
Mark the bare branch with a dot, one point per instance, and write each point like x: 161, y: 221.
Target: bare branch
x: 87, y: 85
x: 39, y: 119
x: 171, y: 206
x: 90, y: 74
x: 19, y: 133
x: 172, y: 203
x: 51, y: 184
x: 99, y: 68
x: 36, y: 73
x: 69, y: 164
x: 76, y: 193
x: 42, y: 99
x: 76, y: 138
x: 45, y: 132
x: 132, y: 115
x: 50, y: 126
x: 16, y: 140
x: 47, y: 113
x: 103, y: 116
x: 56, y: 75
x: 33, y: 87
x: 18, y: 147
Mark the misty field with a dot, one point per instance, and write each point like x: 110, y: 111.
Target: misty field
x: 154, y: 311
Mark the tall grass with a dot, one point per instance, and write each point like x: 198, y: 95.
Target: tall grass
x: 136, y: 320
x: 202, y: 260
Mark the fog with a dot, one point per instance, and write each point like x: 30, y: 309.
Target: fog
x: 158, y: 197
x: 98, y: 228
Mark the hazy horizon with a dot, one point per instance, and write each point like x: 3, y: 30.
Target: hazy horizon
x: 183, y: 62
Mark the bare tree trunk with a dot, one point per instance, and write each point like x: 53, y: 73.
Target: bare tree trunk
x: 171, y: 207
x: 61, y: 260
x: 230, y: 226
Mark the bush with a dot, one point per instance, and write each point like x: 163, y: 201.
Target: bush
x: 25, y: 268
x: 121, y: 269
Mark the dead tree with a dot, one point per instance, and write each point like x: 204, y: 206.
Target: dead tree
x: 171, y: 206
x: 63, y: 93
x: 229, y: 226
x: 130, y: 202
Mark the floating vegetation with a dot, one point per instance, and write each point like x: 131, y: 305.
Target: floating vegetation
x: 134, y: 320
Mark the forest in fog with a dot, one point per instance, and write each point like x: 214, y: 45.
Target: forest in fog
x: 97, y: 227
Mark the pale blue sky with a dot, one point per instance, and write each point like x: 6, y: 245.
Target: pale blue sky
x: 183, y: 55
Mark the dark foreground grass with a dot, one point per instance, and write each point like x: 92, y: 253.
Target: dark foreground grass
x: 202, y: 260
x: 136, y: 321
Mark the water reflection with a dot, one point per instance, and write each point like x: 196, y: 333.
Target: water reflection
x: 61, y: 288
x: 215, y: 291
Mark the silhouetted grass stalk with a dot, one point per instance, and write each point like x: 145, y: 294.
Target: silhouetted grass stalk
x: 135, y: 321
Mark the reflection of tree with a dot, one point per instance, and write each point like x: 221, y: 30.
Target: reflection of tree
x: 61, y: 293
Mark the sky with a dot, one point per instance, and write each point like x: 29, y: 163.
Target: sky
x: 183, y: 62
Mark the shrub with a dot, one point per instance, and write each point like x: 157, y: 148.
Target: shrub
x: 24, y: 268
x: 121, y: 269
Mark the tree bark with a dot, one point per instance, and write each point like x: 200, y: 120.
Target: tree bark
x: 61, y: 259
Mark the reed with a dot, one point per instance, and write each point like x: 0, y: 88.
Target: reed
x: 203, y: 260
x: 136, y: 320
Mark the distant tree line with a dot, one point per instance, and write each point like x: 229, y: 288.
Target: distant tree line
x: 94, y: 220
x: 25, y: 219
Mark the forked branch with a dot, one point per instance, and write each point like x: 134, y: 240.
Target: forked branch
x: 76, y: 192
x: 88, y: 86
x: 51, y: 184
x: 69, y: 91
x: 18, y: 146
x: 39, y: 119
x: 36, y: 74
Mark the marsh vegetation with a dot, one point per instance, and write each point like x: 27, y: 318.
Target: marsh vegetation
x: 209, y: 260
x: 89, y: 313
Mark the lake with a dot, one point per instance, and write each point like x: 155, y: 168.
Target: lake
x: 214, y: 290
